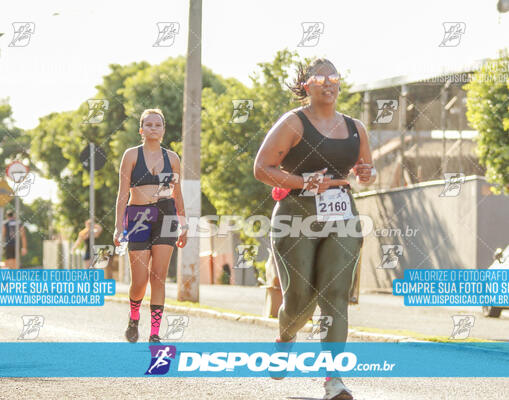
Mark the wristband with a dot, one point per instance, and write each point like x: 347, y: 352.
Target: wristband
x: 373, y: 171
x: 184, y: 227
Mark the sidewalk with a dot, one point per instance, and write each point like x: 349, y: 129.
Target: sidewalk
x: 246, y: 299
x: 381, y: 313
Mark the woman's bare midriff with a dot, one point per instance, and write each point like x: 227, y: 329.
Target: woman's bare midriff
x: 142, y: 195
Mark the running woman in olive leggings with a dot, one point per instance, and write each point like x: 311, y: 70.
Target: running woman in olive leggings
x: 147, y: 212
x: 316, y: 138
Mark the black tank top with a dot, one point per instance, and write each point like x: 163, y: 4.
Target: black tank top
x: 315, y: 151
x: 140, y: 174
x: 10, y: 228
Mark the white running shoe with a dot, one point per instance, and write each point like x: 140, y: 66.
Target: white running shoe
x: 335, y: 389
x: 285, y: 347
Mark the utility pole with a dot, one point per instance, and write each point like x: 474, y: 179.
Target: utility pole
x: 461, y: 125
x: 92, y: 201
x: 17, y: 240
x: 443, y: 119
x: 188, y: 267
x: 402, y: 129
x: 17, y: 171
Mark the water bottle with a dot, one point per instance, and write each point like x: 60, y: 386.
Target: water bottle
x: 120, y: 250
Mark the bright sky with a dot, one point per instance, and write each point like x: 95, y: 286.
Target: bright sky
x: 70, y: 52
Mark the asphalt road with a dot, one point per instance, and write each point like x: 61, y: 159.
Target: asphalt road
x: 107, y: 323
x: 381, y: 311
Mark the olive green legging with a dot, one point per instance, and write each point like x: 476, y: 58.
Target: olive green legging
x: 314, y: 270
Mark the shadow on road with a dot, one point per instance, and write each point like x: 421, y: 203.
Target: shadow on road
x: 305, y: 398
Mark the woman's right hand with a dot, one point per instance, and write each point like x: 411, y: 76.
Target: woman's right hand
x: 117, y: 234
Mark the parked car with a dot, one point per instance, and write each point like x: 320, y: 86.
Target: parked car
x: 500, y: 261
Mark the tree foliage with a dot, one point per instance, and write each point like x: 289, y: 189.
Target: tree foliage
x: 228, y: 149
x: 59, y: 138
x: 488, y: 113
x: 13, y: 144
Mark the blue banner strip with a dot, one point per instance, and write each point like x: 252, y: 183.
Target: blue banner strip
x: 254, y: 359
x: 54, y: 287
x: 453, y: 287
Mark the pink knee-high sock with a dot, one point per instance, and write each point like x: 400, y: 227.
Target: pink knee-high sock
x: 156, y: 313
x: 135, y: 308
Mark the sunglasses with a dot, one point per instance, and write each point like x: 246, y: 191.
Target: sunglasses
x: 320, y: 79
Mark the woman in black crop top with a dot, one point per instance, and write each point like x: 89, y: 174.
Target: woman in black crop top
x: 149, y: 209
x: 314, y: 148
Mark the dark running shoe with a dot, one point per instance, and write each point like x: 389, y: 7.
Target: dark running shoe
x: 154, y: 339
x: 131, y: 332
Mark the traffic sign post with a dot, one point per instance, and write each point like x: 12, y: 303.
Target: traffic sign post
x: 99, y: 158
x: 93, y: 164
x: 6, y: 194
x: 91, y: 233
x: 17, y: 172
x: 1, y: 234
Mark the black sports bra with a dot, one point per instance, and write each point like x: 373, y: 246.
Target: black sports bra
x: 315, y: 151
x: 140, y: 174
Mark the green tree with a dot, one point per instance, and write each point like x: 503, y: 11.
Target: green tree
x: 488, y: 113
x: 229, y: 149
x: 13, y: 143
x: 59, y: 138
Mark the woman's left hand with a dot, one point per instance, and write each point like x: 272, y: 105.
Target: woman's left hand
x: 182, y: 239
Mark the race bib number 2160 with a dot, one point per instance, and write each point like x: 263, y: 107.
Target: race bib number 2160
x: 333, y: 205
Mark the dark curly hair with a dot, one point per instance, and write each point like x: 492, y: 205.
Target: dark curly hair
x: 303, y: 74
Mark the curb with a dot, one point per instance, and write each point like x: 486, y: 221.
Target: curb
x: 273, y: 322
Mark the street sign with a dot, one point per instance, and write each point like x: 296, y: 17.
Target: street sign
x: 100, y: 157
x: 16, y: 171
x: 6, y: 193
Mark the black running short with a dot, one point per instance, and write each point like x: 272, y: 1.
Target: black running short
x: 10, y: 252
x: 151, y: 224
